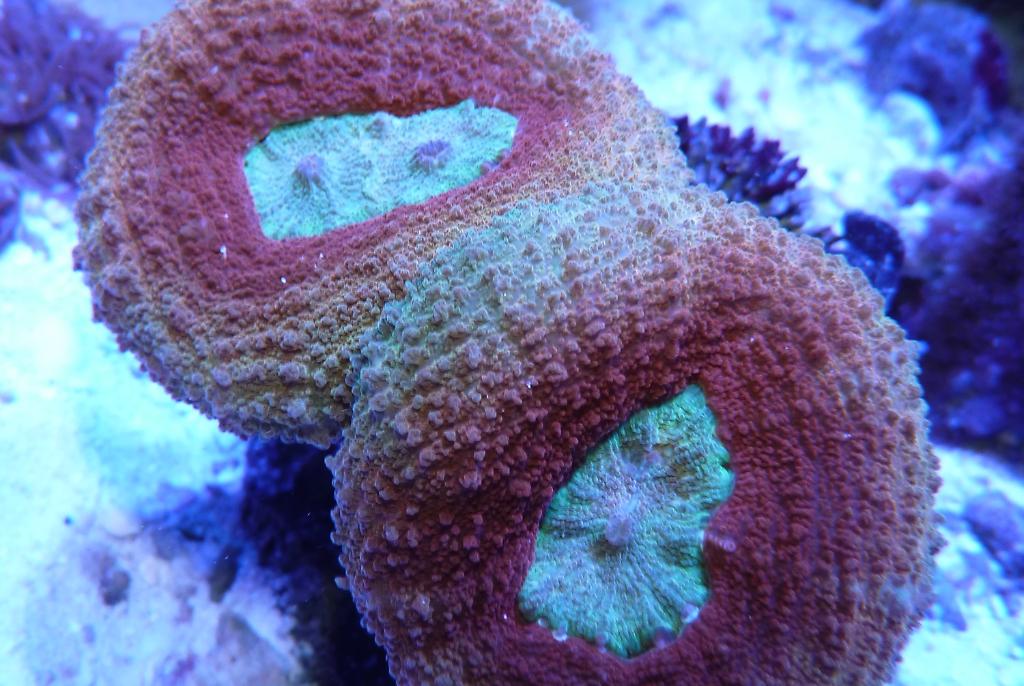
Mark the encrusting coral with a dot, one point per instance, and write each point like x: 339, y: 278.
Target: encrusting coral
x: 257, y: 332
x: 481, y: 348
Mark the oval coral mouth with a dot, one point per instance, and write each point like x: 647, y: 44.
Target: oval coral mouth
x: 618, y: 558
x: 308, y: 178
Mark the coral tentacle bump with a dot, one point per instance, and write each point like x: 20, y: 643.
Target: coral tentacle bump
x: 600, y: 426
x: 256, y: 331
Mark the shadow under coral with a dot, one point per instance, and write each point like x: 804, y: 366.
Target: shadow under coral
x: 286, y: 516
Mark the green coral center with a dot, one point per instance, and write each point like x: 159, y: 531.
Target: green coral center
x: 618, y: 557
x: 310, y: 177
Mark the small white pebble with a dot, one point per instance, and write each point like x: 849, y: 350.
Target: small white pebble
x: 118, y: 522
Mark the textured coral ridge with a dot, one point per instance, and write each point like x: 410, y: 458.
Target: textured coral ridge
x: 478, y: 394
x: 257, y: 332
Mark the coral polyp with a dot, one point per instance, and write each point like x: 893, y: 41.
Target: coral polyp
x: 618, y: 558
x: 241, y: 272
x: 309, y: 171
x: 353, y: 167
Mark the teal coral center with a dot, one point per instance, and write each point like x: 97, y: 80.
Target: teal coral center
x: 307, y: 178
x: 618, y: 557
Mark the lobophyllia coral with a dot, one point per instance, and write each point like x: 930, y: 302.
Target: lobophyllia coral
x: 578, y: 323
x: 514, y: 356
x: 257, y: 332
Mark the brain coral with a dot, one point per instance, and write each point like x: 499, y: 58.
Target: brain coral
x: 491, y: 342
x: 524, y: 346
x: 257, y: 331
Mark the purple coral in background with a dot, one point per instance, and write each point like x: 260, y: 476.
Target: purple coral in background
x: 874, y: 246
x: 56, y: 65
x: 748, y: 169
x: 964, y: 297
x: 10, y: 208
x: 992, y: 70
x: 745, y: 168
x: 286, y: 514
x: 12, y: 228
x: 947, y: 55
x: 999, y: 525
x: 963, y: 294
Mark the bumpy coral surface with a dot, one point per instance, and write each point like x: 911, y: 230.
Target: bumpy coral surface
x: 256, y: 331
x: 525, y: 345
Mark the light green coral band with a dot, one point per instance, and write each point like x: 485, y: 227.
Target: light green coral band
x: 618, y: 556
x: 310, y: 177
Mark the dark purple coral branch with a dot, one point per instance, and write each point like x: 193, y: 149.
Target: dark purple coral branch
x: 745, y: 168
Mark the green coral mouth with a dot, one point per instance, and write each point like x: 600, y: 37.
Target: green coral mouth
x: 309, y: 177
x: 618, y: 557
